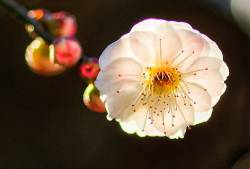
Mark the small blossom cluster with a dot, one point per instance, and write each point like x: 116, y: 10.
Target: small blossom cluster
x: 89, y: 70
x: 64, y: 52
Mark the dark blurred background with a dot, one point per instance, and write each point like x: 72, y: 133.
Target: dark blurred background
x: 44, y: 125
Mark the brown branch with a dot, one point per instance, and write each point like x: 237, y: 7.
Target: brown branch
x: 21, y: 13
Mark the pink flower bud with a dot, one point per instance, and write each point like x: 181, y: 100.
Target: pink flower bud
x: 67, y: 51
x: 64, y: 24
x: 89, y: 69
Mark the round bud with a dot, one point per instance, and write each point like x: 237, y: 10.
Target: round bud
x: 39, y: 58
x: 67, y: 51
x: 89, y: 69
x: 62, y: 24
x: 91, y: 99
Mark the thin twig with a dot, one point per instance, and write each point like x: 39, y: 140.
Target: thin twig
x: 21, y: 13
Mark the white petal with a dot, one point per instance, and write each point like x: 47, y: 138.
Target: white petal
x: 199, y: 96
x: 179, y: 134
x: 214, y: 50
x: 169, y: 44
x: 142, y: 124
x: 141, y: 46
x: 119, y: 69
x: 193, y: 47
x: 120, y: 83
x: 224, y: 71
x: 181, y: 25
x: 145, y: 46
x: 214, y: 87
x: 201, y: 117
x: 117, y: 103
x: 149, y: 121
x: 129, y: 127
x: 116, y: 50
x: 211, y: 79
x: 148, y: 25
x: 205, y: 62
x: 181, y: 110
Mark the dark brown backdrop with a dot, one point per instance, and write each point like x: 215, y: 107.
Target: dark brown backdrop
x: 43, y: 124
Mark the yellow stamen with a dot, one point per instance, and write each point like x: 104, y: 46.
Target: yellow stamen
x: 164, y: 79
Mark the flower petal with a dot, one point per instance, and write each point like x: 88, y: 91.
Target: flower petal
x: 121, y: 97
x: 214, y: 50
x: 119, y: 69
x: 168, y: 44
x: 173, y: 113
x: 116, y: 50
x: 131, y: 127
x: 209, y: 68
x: 181, y: 25
x: 150, y: 25
x: 138, y: 122
x: 212, y: 84
x: 144, y: 45
x: 120, y: 83
x: 198, y: 95
x: 179, y: 134
x: 193, y: 47
x: 141, y: 46
x: 204, y: 63
x: 201, y: 117
x: 224, y: 71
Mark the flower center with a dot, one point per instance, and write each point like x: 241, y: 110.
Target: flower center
x: 162, y: 80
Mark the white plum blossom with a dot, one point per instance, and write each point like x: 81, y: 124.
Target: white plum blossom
x: 160, y: 78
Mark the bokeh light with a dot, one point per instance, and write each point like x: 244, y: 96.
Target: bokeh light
x: 241, y: 13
